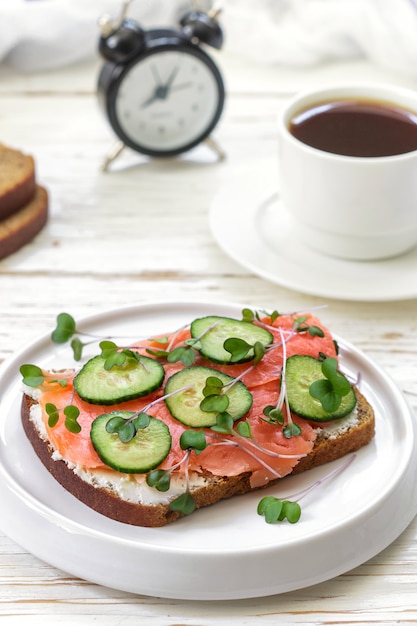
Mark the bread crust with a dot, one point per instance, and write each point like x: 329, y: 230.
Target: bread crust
x: 17, y: 180
x: 21, y: 227
x: 326, y: 448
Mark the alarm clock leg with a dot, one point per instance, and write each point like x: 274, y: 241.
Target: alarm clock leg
x: 214, y: 146
x: 112, y: 155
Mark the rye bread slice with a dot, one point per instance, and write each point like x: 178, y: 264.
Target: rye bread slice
x: 23, y: 225
x: 17, y: 180
x: 331, y: 444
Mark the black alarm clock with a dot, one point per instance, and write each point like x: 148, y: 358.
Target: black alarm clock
x: 160, y: 91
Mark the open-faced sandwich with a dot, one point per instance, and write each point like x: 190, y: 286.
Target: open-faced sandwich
x: 147, y: 433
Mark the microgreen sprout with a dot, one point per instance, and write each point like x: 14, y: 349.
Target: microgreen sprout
x: 186, y: 353
x: 71, y: 413
x: 116, y: 356
x: 291, y: 430
x: 224, y: 424
x: 159, y: 479
x: 66, y: 329
x: 277, y: 509
x: 239, y: 348
x: 53, y: 414
x: 33, y: 376
x: 127, y: 428
x: 331, y: 389
x: 217, y: 401
x: 250, y: 316
x: 185, y: 503
x: 274, y: 414
x: 301, y: 326
x: 193, y: 440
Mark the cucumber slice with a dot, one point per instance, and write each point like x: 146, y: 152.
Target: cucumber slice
x: 96, y: 385
x: 222, y: 328
x: 184, y: 406
x: 148, y: 448
x: 301, y: 372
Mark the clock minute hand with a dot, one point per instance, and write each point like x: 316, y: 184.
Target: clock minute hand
x: 171, y: 79
x: 182, y: 86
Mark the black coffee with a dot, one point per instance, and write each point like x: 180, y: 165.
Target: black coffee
x: 361, y: 128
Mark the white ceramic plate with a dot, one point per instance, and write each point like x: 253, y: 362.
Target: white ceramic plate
x: 225, y: 551
x: 251, y: 225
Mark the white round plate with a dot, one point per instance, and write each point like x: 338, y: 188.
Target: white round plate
x: 252, y: 226
x: 225, y: 551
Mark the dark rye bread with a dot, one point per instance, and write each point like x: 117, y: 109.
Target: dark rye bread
x: 17, y: 180
x: 329, y: 446
x: 21, y: 227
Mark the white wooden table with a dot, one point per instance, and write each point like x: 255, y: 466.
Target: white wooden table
x: 140, y: 234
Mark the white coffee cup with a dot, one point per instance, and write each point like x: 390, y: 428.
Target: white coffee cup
x: 353, y: 207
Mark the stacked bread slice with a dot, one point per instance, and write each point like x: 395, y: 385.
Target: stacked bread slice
x: 23, y: 203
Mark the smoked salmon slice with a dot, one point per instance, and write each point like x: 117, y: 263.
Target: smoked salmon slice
x: 228, y: 455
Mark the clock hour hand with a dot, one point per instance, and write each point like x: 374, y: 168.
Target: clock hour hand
x: 161, y: 91
x: 150, y: 100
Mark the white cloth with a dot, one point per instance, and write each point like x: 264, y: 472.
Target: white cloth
x: 43, y: 34
x: 307, y: 32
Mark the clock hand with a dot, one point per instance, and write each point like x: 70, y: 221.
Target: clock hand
x: 171, y: 79
x: 162, y: 90
x: 156, y: 76
x: 160, y: 93
x: 182, y: 86
x: 148, y: 101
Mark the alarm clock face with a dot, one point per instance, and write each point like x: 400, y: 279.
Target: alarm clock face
x: 167, y: 101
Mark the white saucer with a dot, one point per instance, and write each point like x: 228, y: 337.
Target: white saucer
x: 226, y: 551
x: 251, y: 225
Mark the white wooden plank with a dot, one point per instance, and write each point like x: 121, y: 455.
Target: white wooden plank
x: 140, y: 234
